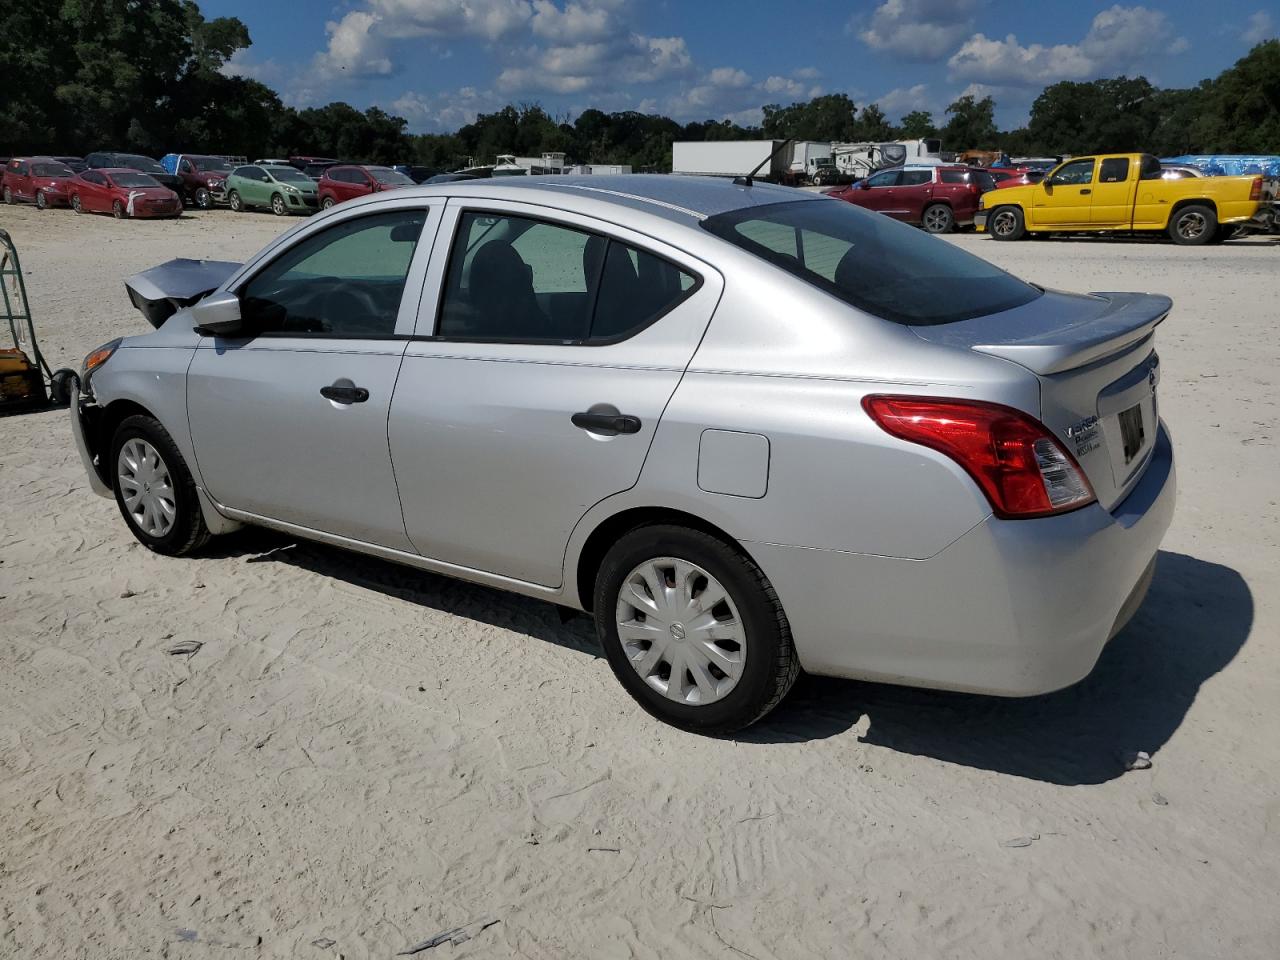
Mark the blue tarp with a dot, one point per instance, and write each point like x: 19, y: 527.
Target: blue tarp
x: 1231, y: 164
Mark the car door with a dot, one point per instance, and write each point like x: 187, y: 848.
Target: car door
x: 909, y: 196
x: 289, y: 422
x: 1065, y: 199
x: 548, y: 346
x: 260, y: 186
x: 879, y: 194
x: 93, y: 193
x: 20, y: 182
x: 1113, y: 194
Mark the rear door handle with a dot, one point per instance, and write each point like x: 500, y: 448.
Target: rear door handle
x: 345, y: 394
x: 607, y: 422
x: 1084, y: 191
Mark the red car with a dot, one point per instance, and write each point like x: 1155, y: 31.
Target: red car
x: 936, y: 198
x: 123, y: 193
x: 44, y: 181
x: 1016, y: 178
x: 346, y: 182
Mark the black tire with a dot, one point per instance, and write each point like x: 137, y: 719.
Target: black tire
x: 938, y: 218
x: 278, y: 206
x: 188, y: 532
x: 60, y: 386
x: 75, y: 203
x: 203, y: 199
x: 770, y: 666
x: 118, y: 211
x: 235, y: 202
x: 8, y: 196
x: 326, y: 203
x: 1194, y: 225
x: 42, y: 202
x: 1007, y: 223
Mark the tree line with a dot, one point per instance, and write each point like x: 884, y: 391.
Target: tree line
x: 81, y: 75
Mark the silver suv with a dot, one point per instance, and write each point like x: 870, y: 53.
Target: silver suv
x: 750, y: 430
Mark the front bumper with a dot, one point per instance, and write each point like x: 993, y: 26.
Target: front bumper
x: 1012, y: 608
x: 980, y: 221
x: 80, y: 431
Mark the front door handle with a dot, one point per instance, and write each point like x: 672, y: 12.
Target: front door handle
x: 1086, y: 190
x: 340, y: 394
x: 606, y: 422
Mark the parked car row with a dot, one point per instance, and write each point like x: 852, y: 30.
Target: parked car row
x: 120, y: 191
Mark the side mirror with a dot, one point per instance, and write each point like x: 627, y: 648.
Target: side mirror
x: 218, y: 316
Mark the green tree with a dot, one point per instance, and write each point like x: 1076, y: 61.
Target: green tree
x: 832, y: 117
x: 972, y: 124
x: 873, y: 125
x: 1240, y: 110
x: 917, y: 125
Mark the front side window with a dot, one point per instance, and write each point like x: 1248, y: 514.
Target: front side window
x: 887, y: 179
x: 94, y: 178
x: 1075, y: 172
x: 346, y: 281
x: 516, y: 279
x: 883, y: 267
x: 186, y: 167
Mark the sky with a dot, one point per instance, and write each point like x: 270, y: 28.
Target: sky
x: 438, y: 63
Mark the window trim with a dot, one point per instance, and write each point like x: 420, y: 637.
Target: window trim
x: 415, y: 278
x: 464, y: 207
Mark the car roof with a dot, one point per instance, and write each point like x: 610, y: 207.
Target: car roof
x: 669, y: 196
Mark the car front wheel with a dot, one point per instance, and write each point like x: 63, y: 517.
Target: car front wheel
x: 277, y: 205
x: 693, y: 629
x: 1007, y: 223
x: 154, y: 489
x: 42, y: 202
x: 204, y: 199
x: 326, y: 203
x: 75, y: 203
x: 233, y: 199
x: 117, y: 210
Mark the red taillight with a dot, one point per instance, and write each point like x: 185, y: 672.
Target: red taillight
x: 1255, y: 192
x: 1017, y: 462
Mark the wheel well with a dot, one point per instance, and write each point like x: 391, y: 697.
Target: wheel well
x: 611, y: 530
x: 1193, y: 202
x: 109, y: 418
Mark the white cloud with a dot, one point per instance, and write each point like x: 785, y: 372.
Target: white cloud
x: 1261, y: 27
x: 919, y: 30
x: 1179, y: 45
x: 783, y: 86
x: 490, y: 19
x: 807, y: 73
x: 576, y: 23
x: 1118, y: 39
x: 902, y: 100
x: 582, y: 66
x: 448, y: 110
x: 728, y: 77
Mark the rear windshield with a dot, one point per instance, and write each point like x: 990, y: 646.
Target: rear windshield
x: 51, y: 170
x: 385, y: 175
x: 288, y: 174
x: 207, y: 164
x: 134, y: 180
x: 886, y: 268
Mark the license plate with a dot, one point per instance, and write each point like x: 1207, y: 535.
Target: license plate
x: 1131, y: 432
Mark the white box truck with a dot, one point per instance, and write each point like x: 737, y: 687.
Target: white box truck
x: 729, y: 158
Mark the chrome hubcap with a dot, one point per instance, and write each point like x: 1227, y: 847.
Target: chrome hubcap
x: 146, y: 488
x: 1192, y: 226
x: 936, y: 219
x: 680, y: 630
x: 1002, y: 223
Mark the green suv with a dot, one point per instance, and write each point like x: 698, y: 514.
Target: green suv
x: 281, y: 188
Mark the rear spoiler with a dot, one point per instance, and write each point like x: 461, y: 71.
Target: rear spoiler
x: 162, y: 291
x: 1057, y: 331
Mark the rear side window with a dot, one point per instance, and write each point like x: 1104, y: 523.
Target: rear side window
x: 954, y: 176
x: 517, y: 279
x: 915, y: 178
x: 1114, y: 170
x: 888, y: 269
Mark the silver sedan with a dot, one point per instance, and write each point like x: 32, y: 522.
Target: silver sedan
x: 750, y: 430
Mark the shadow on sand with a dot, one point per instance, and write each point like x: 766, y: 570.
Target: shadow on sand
x: 1195, y: 619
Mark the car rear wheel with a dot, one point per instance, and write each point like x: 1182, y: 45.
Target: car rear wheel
x: 693, y: 629
x: 1193, y: 225
x: 117, y: 209
x: 154, y: 489
x: 1007, y: 223
x: 75, y: 203
x: 326, y: 203
x: 204, y: 199
x: 236, y: 204
x: 277, y: 205
x: 938, y: 218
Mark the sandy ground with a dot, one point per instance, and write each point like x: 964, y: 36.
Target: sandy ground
x: 361, y: 756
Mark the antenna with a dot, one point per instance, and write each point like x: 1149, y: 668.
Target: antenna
x: 747, y: 180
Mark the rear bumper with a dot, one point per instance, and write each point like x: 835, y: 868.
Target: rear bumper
x: 1013, y: 608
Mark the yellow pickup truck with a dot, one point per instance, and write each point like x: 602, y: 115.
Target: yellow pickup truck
x: 1124, y: 192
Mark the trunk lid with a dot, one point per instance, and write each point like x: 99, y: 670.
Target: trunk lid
x: 1095, y: 359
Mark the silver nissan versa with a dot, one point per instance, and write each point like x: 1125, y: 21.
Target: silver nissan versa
x: 750, y: 430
